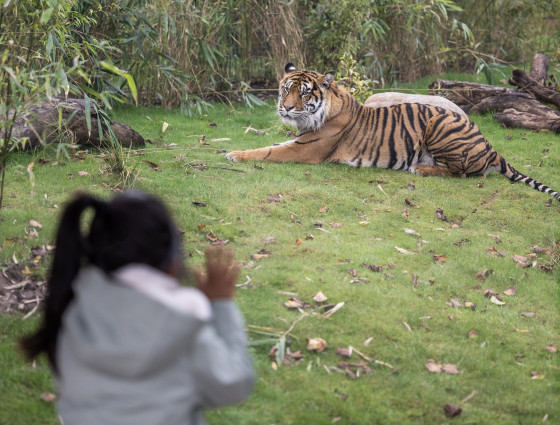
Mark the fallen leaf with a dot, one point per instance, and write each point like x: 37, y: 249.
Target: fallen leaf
x: 473, y: 334
x: 268, y: 239
x: 48, y: 397
x: 440, y: 258
x: 496, y: 237
x: 412, y: 232
x: 259, y: 255
x: 539, y: 250
x: 320, y: 297
x: 299, y: 241
x: 323, y: 209
x: 510, y: 291
x: 535, y: 375
x: 454, y: 303
x: 164, y: 126
x: 373, y: 267
x: 404, y: 251
x: 470, y: 305
x: 83, y: 173
x: 496, y: 301
x: 344, y: 352
x: 152, y: 164
x: 363, y: 223
x: 483, y: 274
x: 450, y: 369
x: 439, y: 214
x: 353, y: 272
x: 527, y: 314
x: 295, y: 303
x: 316, y: 344
x: 489, y: 292
x: 452, y: 410
x: 405, y: 213
x: 199, y: 203
x: 335, y: 225
x: 35, y: 223
x: 411, y: 186
x: 433, y: 367
x: 414, y: 280
x: 409, y: 202
x: 550, y: 348
x: 274, y: 198
x: 211, y: 237
x: 493, y: 252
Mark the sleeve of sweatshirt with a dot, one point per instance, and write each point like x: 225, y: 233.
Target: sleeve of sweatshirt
x: 223, y: 367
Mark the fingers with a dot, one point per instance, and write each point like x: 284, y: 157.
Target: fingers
x: 200, y: 278
x: 218, y: 256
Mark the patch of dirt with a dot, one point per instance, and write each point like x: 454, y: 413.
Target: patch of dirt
x: 20, y: 289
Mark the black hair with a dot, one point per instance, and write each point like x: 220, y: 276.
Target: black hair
x: 133, y: 227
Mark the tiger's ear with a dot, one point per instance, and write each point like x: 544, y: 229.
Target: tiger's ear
x: 290, y: 67
x: 327, y: 81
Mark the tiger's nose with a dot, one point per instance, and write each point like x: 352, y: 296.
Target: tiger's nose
x: 288, y: 108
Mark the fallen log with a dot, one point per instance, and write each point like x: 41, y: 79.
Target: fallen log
x: 65, y: 119
x: 517, y: 101
x: 514, y: 118
x: 520, y: 79
x: 466, y: 94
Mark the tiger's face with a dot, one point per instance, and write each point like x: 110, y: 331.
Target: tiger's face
x: 303, y: 98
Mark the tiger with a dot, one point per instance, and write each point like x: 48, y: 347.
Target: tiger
x: 334, y: 127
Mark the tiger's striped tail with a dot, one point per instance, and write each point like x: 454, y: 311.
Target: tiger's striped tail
x: 515, y: 176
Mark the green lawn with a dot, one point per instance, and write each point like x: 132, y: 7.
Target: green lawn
x: 328, y: 222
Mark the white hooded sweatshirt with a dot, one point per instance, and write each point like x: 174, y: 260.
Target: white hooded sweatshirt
x: 136, y: 348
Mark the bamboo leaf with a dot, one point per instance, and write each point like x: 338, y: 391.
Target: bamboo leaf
x: 46, y: 15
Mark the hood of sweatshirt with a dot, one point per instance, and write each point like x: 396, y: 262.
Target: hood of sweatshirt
x: 131, y: 323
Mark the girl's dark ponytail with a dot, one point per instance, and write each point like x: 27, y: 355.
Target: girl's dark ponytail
x: 71, y: 250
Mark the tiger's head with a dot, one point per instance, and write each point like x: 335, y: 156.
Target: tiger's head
x: 304, y: 98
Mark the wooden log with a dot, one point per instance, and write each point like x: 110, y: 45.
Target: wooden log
x: 515, y: 101
x: 466, y: 94
x: 539, y: 70
x: 520, y: 79
x: 513, y: 118
x: 40, y: 125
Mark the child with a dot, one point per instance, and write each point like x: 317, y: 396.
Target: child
x: 129, y: 344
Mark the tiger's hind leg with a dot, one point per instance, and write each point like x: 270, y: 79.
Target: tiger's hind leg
x: 457, y: 148
x: 432, y: 170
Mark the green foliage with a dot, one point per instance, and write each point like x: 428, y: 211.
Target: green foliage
x: 352, y: 76
x: 393, y: 39
x: 46, y: 52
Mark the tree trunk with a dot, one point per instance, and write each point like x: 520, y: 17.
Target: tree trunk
x: 44, y: 123
x: 539, y: 70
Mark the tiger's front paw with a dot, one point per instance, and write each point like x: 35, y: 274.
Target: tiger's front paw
x: 237, y: 156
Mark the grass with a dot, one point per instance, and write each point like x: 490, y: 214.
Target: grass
x: 406, y: 323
